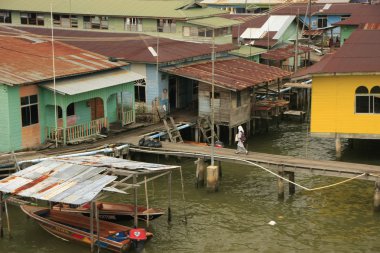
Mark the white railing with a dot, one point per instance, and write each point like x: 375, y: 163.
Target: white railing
x: 76, y: 132
x: 127, y: 117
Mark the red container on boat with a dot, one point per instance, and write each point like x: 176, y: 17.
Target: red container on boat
x: 137, y: 234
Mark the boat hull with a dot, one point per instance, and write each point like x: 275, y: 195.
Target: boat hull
x: 76, y: 227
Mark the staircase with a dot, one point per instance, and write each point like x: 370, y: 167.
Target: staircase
x: 172, y: 130
x: 204, y: 125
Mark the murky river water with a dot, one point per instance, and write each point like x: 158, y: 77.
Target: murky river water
x: 235, y: 219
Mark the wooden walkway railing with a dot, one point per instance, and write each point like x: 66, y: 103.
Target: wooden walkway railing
x: 76, y: 132
x: 127, y: 117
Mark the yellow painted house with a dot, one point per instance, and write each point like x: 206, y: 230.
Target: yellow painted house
x: 345, y: 100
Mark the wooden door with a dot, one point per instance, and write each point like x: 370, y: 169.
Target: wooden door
x: 97, y: 108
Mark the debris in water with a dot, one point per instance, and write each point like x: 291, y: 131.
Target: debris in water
x: 272, y: 223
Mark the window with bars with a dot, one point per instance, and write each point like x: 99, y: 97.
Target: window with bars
x: 32, y: 18
x: 166, y: 25
x: 66, y: 21
x: 238, y: 98
x: 5, y: 16
x: 367, y: 102
x: 95, y: 22
x: 133, y: 24
x: 140, y: 90
x: 190, y: 31
x: 29, y: 110
x: 322, y: 21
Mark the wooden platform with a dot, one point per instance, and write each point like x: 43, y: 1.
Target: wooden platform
x: 277, y: 163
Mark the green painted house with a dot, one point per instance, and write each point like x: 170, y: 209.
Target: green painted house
x: 171, y: 18
x: 65, y: 98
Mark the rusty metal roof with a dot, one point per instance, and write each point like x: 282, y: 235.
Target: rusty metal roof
x: 131, y: 47
x: 71, y: 180
x: 313, y: 32
x: 233, y: 74
x: 284, y: 53
x: 360, y: 53
x: 370, y: 15
x: 25, y: 61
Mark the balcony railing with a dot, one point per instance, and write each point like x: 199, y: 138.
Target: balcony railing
x: 127, y: 117
x: 76, y: 132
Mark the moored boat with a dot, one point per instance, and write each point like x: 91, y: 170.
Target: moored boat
x: 76, y: 227
x: 114, y: 211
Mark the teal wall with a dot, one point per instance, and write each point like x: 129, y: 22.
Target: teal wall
x: 10, y: 123
x: 290, y: 32
x: 83, y: 113
x: 112, y: 108
x: 345, y: 33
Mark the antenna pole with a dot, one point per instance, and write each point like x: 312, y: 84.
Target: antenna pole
x: 53, y: 61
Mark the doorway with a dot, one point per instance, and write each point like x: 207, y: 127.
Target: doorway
x: 172, y: 93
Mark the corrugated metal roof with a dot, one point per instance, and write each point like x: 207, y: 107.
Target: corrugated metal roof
x: 132, y: 47
x: 274, y: 23
x: 95, y: 81
x: 246, y: 51
x: 370, y: 15
x: 74, y: 180
x: 132, y: 8
x: 214, y: 22
x: 284, y: 52
x: 25, y: 62
x: 57, y: 181
x: 360, y: 54
x: 232, y: 74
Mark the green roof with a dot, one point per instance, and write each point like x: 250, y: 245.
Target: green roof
x: 180, y: 9
x: 247, y: 51
x: 214, y: 22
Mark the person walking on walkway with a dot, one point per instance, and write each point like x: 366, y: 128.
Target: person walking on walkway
x: 240, y: 138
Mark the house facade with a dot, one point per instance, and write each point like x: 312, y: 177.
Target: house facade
x: 346, y: 88
x: 79, y: 101
x: 170, y: 19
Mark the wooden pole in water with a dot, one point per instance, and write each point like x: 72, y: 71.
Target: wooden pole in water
x: 97, y: 226
x: 292, y: 187
x: 147, y: 202
x: 170, y: 197
x: 92, y: 225
x: 1, y: 216
x: 280, y: 185
x: 376, y: 197
x: 135, y: 197
x: 338, y: 147
x: 7, y: 216
x: 200, y: 172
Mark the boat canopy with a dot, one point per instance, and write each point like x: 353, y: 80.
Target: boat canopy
x: 75, y: 180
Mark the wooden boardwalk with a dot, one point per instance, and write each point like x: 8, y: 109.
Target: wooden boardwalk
x: 277, y: 163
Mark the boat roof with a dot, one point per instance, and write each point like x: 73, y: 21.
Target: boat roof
x: 74, y: 180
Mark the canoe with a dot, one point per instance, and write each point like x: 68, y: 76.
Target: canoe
x: 76, y: 227
x: 114, y: 211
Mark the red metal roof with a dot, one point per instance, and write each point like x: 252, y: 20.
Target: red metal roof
x: 24, y: 61
x: 360, y: 53
x: 371, y: 14
x: 131, y: 47
x: 234, y: 74
x: 313, y: 32
x: 250, y: 21
x: 284, y: 53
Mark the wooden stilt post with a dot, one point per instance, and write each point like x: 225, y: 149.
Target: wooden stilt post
x: 196, y: 134
x: 147, y: 201
x: 338, y: 147
x: 135, y: 200
x: 218, y: 131
x: 170, y: 196
x: 92, y: 225
x: 212, y: 178
x: 8, y: 221
x: 97, y: 226
x: 292, y: 187
x: 1, y: 216
x: 230, y: 137
x: 200, y: 172
x: 248, y: 128
x: 376, y: 197
x: 220, y: 169
x: 281, y: 188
